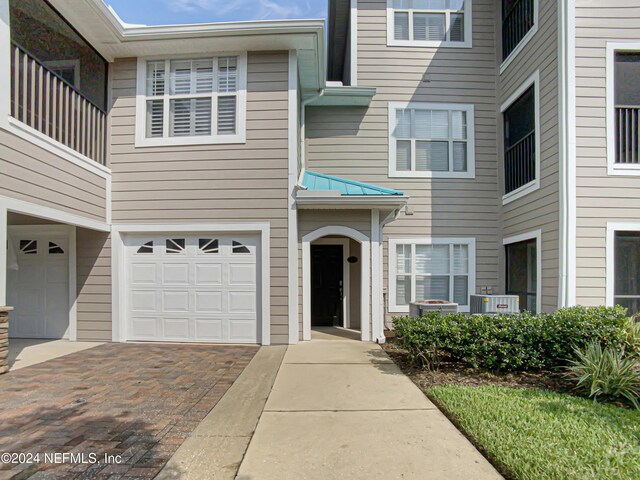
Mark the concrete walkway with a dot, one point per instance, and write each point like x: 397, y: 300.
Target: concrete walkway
x: 24, y: 352
x: 342, y: 409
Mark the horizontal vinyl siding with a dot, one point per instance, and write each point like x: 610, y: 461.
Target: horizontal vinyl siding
x: 600, y: 197
x: 212, y: 183
x: 353, y: 142
x: 94, y: 285
x: 33, y: 174
x: 540, y: 209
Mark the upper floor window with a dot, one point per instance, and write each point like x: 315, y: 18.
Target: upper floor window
x: 192, y: 101
x: 626, y: 86
x: 520, y: 116
x: 431, y: 269
x: 431, y: 23
x: 431, y: 140
x: 519, y: 23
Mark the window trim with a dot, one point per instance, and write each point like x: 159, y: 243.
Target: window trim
x: 525, y: 40
x: 523, y: 237
x: 533, y: 80
x: 471, y: 148
x: 214, y: 138
x: 614, y: 168
x: 468, y: 31
x: 610, y: 259
x: 393, y: 262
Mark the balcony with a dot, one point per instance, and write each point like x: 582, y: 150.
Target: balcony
x: 627, y: 150
x: 516, y: 23
x: 49, y: 104
x: 520, y: 163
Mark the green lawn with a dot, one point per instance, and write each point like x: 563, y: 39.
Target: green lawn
x: 543, y: 435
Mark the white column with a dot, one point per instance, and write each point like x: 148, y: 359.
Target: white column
x: 73, y: 291
x: 376, y: 277
x: 292, y: 223
x: 3, y: 255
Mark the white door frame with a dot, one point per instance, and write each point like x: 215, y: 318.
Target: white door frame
x: 68, y: 231
x: 537, y: 236
x: 118, y: 263
x: 346, y: 277
x: 364, y: 241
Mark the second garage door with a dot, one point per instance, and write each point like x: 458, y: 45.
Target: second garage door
x: 192, y: 288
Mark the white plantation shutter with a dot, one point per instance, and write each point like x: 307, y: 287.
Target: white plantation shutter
x: 403, y: 155
x: 459, y: 125
x: 401, y: 26
x: 403, y: 124
x: 429, y: 26
x: 227, y: 74
x: 155, y: 118
x: 459, y: 157
x: 456, y: 31
x: 432, y: 288
x: 226, y: 115
x: 190, y: 117
x: 461, y: 274
x: 193, y: 86
x: 432, y: 156
x: 431, y: 124
x: 155, y: 78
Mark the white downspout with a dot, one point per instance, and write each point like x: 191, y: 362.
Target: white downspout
x: 303, y: 132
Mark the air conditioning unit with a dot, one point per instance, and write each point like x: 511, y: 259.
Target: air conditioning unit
x: 495, y: 304
x: 422, y: 307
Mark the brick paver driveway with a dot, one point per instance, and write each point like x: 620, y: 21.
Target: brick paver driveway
x: 137, y: 401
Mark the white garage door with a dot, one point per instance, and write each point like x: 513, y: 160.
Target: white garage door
x: 192, y: 288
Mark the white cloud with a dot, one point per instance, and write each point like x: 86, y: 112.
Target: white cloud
x: 250, y: 9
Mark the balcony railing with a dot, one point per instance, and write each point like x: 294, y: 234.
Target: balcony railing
x: 515, y: 25
x: 627, y: 141
x: 46, y: 102
x: 520, y: 163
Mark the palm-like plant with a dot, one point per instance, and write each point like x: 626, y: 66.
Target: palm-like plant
x: 606, y: 373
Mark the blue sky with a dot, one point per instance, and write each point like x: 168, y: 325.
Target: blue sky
x: 163, y: 12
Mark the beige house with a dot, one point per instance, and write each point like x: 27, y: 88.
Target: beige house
x: 244, y: 182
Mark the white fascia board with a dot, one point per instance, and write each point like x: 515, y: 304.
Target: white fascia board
x: 370, y: 201
x: 345, y: 96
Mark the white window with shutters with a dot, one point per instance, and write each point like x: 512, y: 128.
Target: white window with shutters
x: 429, y: 23
x: 191, y: 101
x: 431, y: 140
x: 431, y: 269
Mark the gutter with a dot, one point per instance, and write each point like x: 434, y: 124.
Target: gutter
x: 303, y: 132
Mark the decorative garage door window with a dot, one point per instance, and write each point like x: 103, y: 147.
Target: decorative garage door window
x: 146, y: 248
x: 209, y: 246
x: 175, y: 245
x: 29, y: 247
x: 240, y: 248
x: 55, y: 249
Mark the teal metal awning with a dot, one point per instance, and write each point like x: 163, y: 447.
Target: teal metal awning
x: 313, y: 181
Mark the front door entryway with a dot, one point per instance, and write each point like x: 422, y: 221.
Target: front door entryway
x: 327, y: 285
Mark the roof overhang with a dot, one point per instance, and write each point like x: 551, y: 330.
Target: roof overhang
x: 113, y: 38
x: 341, y: 96
x: 382, y: 202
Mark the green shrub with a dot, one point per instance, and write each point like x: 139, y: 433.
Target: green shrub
x: 606, y: 373
x: 632, y: 336
x: 509, y: 342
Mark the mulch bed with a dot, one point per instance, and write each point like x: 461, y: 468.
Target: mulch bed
x: 450, y: 373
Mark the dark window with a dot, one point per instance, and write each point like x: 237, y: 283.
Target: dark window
x: 55, y: 249
x: 518, y: 17
x: 29, y: 247
x: 627, y: 106
x: 237, y: 247
x: 208, y: 245
x: 146, y: 248
x: 520, y: 142
x: 41, y: 32
x: 522, y: 273
x: 627, y: 270
x: 175, y: 245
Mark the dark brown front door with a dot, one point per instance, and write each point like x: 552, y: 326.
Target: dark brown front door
x: 326, y: 285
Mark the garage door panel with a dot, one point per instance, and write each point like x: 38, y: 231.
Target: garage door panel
x: 144, y: 301
x: 242, y: 302
x: 242, y: 330
x: 208, y: 274
x: 210, y: 302
x: 242, y: 274
x: 144, y: 328
x: 175, y: 273
x: 58, y: 273
x: 209, y: 329
x: 197, y: 288
x: 176, y: 329
x: 175, y: 301
x: 144, y: 273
